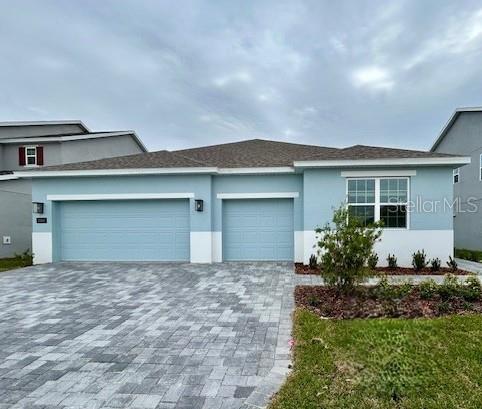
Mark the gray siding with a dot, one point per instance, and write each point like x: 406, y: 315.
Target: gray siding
x: 38, y: 130
x: 465, y: 138
x: 15, y: 216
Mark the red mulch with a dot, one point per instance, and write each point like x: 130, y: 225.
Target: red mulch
x: 301, y: 268
x: 328, y: 302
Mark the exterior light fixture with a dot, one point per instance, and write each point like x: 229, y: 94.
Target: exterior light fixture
x: 199, y: 205
x: 38, y: 208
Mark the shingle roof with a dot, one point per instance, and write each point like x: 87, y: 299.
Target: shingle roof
x: 245, y: 154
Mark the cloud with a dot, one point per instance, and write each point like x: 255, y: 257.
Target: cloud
x: 373, y: 78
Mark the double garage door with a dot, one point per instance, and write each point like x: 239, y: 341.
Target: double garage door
x: 159, y: 230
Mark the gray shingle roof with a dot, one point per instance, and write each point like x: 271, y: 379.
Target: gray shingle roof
x: 245, y: 154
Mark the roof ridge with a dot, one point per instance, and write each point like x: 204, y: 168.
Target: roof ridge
x: 188, y: 158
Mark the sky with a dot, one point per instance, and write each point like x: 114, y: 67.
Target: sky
x: 193, y: 73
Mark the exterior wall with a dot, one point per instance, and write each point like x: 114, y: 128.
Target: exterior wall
x: 15, y: 216
x: 58, y: 153
x: 465, y: 138
x: 39, y: 130
x: 317, y: 193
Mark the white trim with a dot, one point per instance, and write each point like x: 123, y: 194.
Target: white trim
x: 26, y: 148
x: 201, y: 246
x: 108, y: 172
x: 121, y: 196
x: 456, y: 172
x: 269, y: 195
x: 299, y: 246
x: 377, y: 173
x: 42, y: 247
x: 457, y: 160
x: 8, y: 177
x: 230, y: 171
x: 217, y: 246
x: 79, y: 137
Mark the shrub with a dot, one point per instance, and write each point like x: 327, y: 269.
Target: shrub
x: 384, y: 291
x: 419, y: 260
x: 472, y: 289
x: 372, y: 261
x: 450, y: 287
x: 313, y: 262
x: 452, y: 264
x: 392, y: 261
x: 472, y: 255
x: 428, y: 289
x: 435, y: 264
x: 344, y: 250
x: 25, y: 259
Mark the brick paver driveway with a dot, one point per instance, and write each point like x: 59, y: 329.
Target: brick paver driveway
x: 91, y: 335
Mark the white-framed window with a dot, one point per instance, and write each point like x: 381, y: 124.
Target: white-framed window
x: 30, y: 155
x: 379, y: 199
x: 456, y: 173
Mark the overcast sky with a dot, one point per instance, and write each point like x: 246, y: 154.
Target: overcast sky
x: 191, y: 73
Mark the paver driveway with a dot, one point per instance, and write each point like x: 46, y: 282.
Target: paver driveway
x: 144, y: 335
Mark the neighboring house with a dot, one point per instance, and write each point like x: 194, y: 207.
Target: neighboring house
x: 250, y: 200
x: 462, y: 135
x: 32, y: 145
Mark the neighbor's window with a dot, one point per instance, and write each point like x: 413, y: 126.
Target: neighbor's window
x: 31, y: 155
x: 456, y: 173
x: 378, y: 199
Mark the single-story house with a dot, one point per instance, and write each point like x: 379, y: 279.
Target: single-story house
x: 249, y: 200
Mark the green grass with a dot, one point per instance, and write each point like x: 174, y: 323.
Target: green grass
x: 472, y: 255
x: 12, y: 263
x: 385, y: 363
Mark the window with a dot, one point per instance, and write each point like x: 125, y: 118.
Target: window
x: 31, y: 155
x: 456, y: 173
x: 379, y: 199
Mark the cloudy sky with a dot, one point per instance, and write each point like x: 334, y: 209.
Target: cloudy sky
x: 189, y: 73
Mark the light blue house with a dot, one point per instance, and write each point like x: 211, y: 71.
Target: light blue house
x: 250, y: 200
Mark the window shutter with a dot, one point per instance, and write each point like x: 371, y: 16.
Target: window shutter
x: 40, y: 155
x: 21, y: 156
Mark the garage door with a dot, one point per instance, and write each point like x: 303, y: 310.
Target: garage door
x: 151, y: 230
x: 258, y: 229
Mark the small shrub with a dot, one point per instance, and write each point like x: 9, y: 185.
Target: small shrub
x: 312, y: 300
x: 444, y: 307
x: 419, y: 260
x: 25, y: 259
x: 435, y: 264
x: 472, y: 289
x: 450, y: 287
x: 428, y: 289
x: 313, y: 262
x: 385, y: 291
x: 344, y: 248
x: 452, y: 264
x: 372, y: 261
x: 392, y: 261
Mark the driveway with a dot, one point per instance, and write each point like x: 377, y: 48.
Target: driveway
x: 144, y: 335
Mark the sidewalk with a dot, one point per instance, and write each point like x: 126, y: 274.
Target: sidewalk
x: 471, y: 266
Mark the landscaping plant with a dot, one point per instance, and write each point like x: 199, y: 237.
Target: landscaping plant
x: 372, y: 261
x: 313, y: 262
x: 419, y: 260
x: 344, y: 249
x: 392, y: 261
x: 428, y: 289
x: 452, y: 264
x: 435, y: 264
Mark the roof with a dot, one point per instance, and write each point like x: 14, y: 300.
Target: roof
x: 72, y: 137
x: 450, y: 122
x: 42, y: 123
x: 254, y: 153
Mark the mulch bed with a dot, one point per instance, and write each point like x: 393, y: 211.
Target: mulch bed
x: 301, y: 268
x: 329, y: 303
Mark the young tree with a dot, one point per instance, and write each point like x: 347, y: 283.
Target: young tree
x: 345, y: 248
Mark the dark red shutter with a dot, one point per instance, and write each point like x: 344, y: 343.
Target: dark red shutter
x: 40, y: 155
x: 21, y: 156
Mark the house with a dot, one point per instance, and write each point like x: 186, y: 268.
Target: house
x: 462, y: 135
x: 249, y: 200
x: 33, y: 145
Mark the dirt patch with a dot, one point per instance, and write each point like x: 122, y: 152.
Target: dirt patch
x: 363, y: 303
x: 301, y: 268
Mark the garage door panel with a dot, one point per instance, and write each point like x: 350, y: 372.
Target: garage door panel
x: 260, y: 229
x: 156, y: 230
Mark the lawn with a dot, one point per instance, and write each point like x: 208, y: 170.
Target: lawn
x: 384, y: 363
x: 14, y: 262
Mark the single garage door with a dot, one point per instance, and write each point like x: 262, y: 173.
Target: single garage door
x: 260, y: 229
x: 130, y: 230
